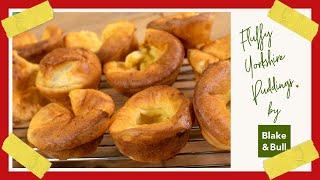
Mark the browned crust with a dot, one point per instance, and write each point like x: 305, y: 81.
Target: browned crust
x: 163, y: 72
x: 210, y: 106
x: 76, y: 152
x: 56, y: 128
x: 154, y: 142
x: 90, y: 68
x: 36, y: 51
x: 191, y: 30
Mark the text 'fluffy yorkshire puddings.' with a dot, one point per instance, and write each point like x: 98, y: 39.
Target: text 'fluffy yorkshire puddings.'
x: 118, y: 40
x: 65, y: 69
x: 211, y: 104
x: 157, y: 62
x: 29, y: 48
x: 64, y: 133
x: 192, y: 28
x: 26, y: 100
x: 153, y: 125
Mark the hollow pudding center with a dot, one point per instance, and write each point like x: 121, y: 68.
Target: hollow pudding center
x: 152, y: 116
x: 142, y: 59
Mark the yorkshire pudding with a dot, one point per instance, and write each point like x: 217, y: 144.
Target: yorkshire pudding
x: 35, y: 50
x: 219, y: 48
x: 23, y: 39
x: 153, y: 125
x: 157, y: 62
x: 65, y: 69
x: 200, y: 60
x: 63, y: 133
x: 211, y: 53
x: 26, y: 98
x: 212, y: 104
x: 82, y: 39
x: 192, y: 28
x: 118, y: 40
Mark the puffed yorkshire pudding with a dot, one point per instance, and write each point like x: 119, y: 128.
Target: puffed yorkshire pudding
x: 219, y: 48
x: 65, y: 69
x: 192, y: 28
x: 118, y: 40
x: 200, y: 60
x: 82, y: 39
x: 35, y: 51
x: 153, y: 125
x: 211, y: 104
x: 211, y: 53
x: 64, y: 133
x: 157, y: 62
x: 26, y: 100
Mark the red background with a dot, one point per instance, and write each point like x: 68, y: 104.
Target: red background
x: 5, y: 4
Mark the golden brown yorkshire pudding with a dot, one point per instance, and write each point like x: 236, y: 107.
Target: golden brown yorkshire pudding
x: 209, y: 54
x: 200, y: 60
x: 153, y: 125
x: 63, y: 133
x: 192, y: 28
x: 219, y: 48
x: 65, y: 69
x: 212, y: 104
x: 157, y: 62
x: 118, y: 40
x: 26, y: 100
x: 34, y: 52
x: 82, y: 39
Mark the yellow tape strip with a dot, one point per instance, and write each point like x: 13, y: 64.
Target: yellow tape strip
x: 26, y: 156
x: 27, y: 19
x: 293, y: 20
x: 290, y: 159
